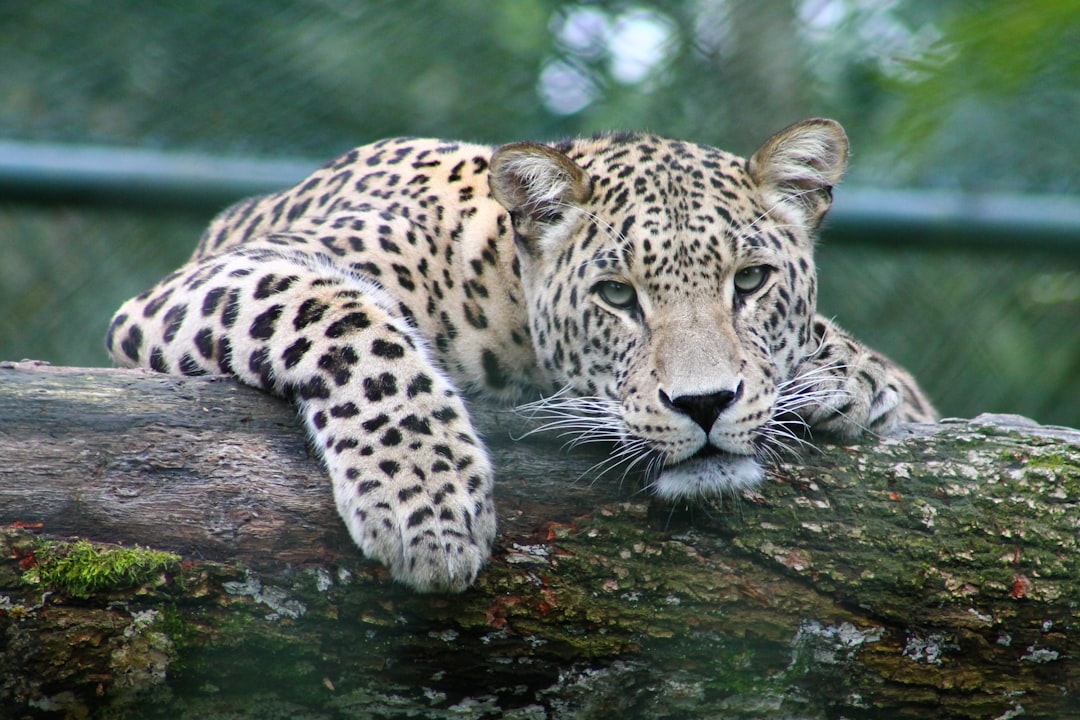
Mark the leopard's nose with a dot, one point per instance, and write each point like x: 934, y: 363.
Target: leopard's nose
x: 703, y: 409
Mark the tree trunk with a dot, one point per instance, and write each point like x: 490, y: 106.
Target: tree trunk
x: 933, y: 574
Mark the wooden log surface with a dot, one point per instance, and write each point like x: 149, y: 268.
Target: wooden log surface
x: 931, y: 574
x: 212, y: 468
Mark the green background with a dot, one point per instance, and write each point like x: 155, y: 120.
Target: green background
x: 950, y: 96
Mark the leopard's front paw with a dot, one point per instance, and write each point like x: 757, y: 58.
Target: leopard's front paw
x: 414, y: 486
x: 849, y: 401
x: 432, y: 542
x: 846, y: 389
x: 427, y: 514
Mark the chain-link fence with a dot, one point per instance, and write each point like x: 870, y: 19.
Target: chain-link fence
x: 931, y: 93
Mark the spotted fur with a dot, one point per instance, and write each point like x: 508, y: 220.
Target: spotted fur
x: 656, y: 293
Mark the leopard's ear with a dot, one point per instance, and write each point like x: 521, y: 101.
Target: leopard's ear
x: 797, y: 167
x: 536, y: 184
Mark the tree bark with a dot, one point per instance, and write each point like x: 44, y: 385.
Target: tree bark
x: 935, y: 573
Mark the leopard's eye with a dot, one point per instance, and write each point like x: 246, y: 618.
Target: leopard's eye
x: 751, y: 278
x: 616, y: 294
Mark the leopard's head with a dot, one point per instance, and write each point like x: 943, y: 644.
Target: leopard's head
x: 671, y: 291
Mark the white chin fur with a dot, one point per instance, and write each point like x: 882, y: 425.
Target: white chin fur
x: 707, y: 476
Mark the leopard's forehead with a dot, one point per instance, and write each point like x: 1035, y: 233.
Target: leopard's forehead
x: 675, y: 212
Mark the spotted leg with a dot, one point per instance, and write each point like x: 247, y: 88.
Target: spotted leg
x: 410, y: 477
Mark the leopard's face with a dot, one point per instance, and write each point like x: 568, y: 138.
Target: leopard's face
x: 671, y: 291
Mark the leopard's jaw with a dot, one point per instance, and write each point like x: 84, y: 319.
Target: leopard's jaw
x: 706, y: 477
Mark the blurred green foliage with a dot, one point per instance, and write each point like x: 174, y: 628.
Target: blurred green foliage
x: 956, y: 94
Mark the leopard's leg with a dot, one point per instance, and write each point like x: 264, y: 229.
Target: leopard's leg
x: 410, y: 477
x: 846, y: 389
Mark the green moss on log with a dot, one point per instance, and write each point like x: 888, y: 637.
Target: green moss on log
x: 79, y: 569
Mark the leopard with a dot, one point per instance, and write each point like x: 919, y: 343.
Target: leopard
x: 656, y: 295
